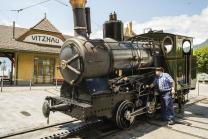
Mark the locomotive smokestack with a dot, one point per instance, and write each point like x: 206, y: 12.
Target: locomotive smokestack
x: 80, y: 24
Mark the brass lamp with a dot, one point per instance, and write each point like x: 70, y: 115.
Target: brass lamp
x: 78, y: 3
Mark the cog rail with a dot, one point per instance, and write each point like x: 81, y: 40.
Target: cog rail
x: 71, y: 131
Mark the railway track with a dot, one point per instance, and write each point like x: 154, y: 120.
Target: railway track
x: 71, y: 130
x: 76, y: 128
x: 35, y: 129
x: 107, y: 130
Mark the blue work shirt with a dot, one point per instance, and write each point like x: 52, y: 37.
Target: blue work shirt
x: 163, y: 82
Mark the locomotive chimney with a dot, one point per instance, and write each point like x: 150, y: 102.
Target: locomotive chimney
x: 79, y: 14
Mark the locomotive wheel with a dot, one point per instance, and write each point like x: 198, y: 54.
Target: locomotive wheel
x: 122, y: 118
x: 65, y: 90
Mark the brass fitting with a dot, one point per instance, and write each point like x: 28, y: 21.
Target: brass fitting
x: 78, y: 3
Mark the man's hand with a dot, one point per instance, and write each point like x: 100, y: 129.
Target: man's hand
x: 173, y: 91
x: 147, y: 86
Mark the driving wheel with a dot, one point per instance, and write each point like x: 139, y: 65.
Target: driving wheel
x: 123, y: 117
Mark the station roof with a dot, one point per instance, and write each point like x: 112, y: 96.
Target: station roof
x: 8, y: 43
x: 46, y: 25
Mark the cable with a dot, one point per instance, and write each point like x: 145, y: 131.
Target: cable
x: 62, y: 3
x: 27, y: 7
x: 21, y: 9
x: 37, y: 4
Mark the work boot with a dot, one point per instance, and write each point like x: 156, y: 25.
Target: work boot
x: 171, y: 122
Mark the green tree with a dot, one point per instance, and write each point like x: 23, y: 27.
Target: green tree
x: 202, y: 59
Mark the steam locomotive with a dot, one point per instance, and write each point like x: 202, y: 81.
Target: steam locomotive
x: 108, y: 78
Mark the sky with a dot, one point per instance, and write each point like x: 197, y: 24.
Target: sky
x: 185, y: 17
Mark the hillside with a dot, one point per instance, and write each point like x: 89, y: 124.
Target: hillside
x: 205, y: 43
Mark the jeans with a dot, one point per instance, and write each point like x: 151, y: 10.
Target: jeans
x: 167, y: 110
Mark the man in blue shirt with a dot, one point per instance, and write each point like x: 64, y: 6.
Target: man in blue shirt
x: 165, y: 84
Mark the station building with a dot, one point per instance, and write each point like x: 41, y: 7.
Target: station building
x: 34, y: 52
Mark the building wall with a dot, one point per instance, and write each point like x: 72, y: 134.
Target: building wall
x: 25, y: 67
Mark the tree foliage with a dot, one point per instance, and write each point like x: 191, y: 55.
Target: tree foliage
x: 202, y: 59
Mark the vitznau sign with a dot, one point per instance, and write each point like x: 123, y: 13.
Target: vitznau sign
x: 43, y: 39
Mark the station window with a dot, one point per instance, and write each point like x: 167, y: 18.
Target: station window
x: 43, y: 69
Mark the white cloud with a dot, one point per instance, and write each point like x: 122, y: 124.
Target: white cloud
x: 5, y: 22
x: 8, y: 23
x: 70, y: 33
x: 195, y: 26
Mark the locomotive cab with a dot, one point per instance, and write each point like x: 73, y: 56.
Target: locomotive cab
x: 177, y: 58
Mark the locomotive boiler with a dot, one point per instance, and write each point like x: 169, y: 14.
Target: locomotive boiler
x: 82, y: 58
x: 108, y: 78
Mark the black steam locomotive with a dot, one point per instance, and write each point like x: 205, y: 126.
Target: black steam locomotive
x: 109, y: 77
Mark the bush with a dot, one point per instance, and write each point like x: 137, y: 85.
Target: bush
x: 202, y: 59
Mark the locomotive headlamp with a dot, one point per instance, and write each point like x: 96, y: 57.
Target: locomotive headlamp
x: 78, y: 3
x: 186, y: 46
